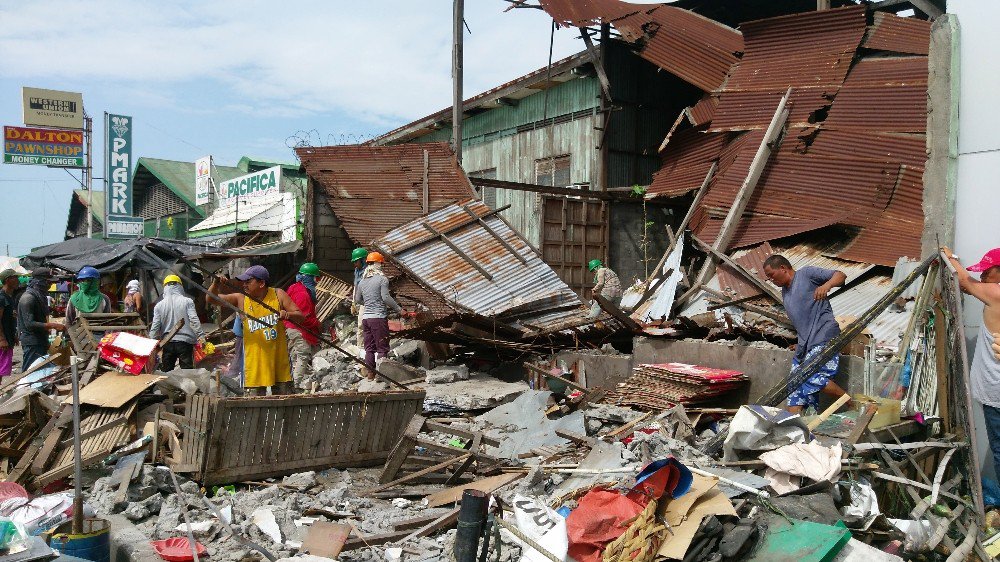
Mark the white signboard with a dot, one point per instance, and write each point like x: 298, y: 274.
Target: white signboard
x: 251, y: 185
x: 52, y: 108
x: 124, y: 226
x: 203, y: 181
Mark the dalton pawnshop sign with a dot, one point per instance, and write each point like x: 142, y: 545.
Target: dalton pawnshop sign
x: 251, y: 185
x: 46, y: 147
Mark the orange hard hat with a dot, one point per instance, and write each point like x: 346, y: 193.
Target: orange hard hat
x: 375, y: 257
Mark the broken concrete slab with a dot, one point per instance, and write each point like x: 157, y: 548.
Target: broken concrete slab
x: 521, y: 425
x: 478, y: 393
x: 444, y: 375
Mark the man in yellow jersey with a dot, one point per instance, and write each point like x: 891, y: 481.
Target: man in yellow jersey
x: 265, y: 347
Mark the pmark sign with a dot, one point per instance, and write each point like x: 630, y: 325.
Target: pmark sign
x: 52, y: 108
x: 118, y: 150
x: 123, y: 226
x: 46, y: 147
x: 252, y: 185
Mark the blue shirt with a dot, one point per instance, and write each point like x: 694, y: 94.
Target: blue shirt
x: 813, y: 319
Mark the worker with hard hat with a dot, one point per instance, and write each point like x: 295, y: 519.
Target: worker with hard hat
x: 172, y: 308
x: 265, y: 342
x: 358, y: 256
x: 302, y: 337
x: 33, y: 323
x: 373, y: 293
x: 88, y: 297
x: 606, y: 284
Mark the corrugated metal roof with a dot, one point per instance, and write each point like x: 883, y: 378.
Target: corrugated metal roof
x: 229, y: 215
x: 98, y: 199
x: 698, y: 50
x: 531, y: 288
x: 686, y: 163
x: 759, y: 228
x: 908, y: 149
x: 807, y: 49
x: 177, y: 176
x: 890, y: 32
x: 753, y: 109
x: 373, y: 189
x: 702, y: 112
x: 883, y: 94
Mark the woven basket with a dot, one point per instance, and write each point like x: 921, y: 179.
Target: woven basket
x: 640, y: 542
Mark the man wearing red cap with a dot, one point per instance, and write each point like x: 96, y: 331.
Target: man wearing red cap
x: 984, y: 375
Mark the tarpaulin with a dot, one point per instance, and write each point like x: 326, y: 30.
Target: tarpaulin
x: 602, y: 515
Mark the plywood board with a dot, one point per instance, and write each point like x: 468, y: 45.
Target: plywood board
x: 115, y: 389
x: 326, y: 539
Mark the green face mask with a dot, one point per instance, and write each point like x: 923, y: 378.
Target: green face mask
x: 88, y: 297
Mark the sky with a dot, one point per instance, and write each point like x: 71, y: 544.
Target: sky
x: 231, y: 78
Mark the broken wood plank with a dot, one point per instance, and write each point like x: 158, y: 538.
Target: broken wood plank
x: 766, y: 289
x: 419, y: 473
x: 576, y: 438
x: 445, y: 520
x: 549, y: 375
x: 454, y: 494
x: 861, y: 424
x: 828, y: 412
x: 614, y: 434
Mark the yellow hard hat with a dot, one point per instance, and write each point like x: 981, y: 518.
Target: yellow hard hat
x: 171, y: 279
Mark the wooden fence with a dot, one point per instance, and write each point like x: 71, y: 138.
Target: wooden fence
x: 237, y: 439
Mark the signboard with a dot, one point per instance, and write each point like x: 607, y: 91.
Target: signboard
x: 52, y: 108
x: 251, y: 185
x: 46, y: 147
x: 118, y: 162
x: 123, y: 226
x: 203, y: 180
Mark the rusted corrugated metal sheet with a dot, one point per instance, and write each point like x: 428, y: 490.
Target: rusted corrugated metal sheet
x: 807, y: 49
x: 686, y: 163
x: 897, y: 231
x: 373, y: 189
x: 741, y: 110
x: 890, y: 32
x: 702, y: 112
x: 758, y: 228
x: 883, y: 94
x: 698, y: 50
x: 908, y: 149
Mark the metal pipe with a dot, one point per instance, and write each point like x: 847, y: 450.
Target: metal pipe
x: 77, y: 455
x: 471, y: 517
x: 184, y: 513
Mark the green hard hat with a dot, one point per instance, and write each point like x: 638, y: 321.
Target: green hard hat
x: 309, y: 268
x: 593, y: 264
x: 359, y: 254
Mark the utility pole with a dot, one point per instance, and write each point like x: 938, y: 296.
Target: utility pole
x: 456, y: 76
x: 107, y: 198
x: 88, y: 172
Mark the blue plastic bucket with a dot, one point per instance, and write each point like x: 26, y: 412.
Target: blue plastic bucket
x: 94, y: 543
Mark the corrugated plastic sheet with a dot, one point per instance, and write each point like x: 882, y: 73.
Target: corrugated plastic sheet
x: 373, y: 189
x: 890, y: 32
x: 530, y: 290
x: 884, y: 95
x: 686, y: 162
x: 698, y: 50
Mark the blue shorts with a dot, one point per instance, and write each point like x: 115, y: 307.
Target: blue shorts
x: 808, y: 394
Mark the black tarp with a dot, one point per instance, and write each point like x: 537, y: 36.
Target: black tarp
x: 128, y: 253
x: 41, y: 257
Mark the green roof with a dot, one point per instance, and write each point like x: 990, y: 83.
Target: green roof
x: 177, y: 176
x: 248, y: 162
x: 98, y: 198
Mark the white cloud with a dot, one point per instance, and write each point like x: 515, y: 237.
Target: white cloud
x: 384, y: 62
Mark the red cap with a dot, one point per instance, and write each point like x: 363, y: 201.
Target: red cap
x: 989, y: 260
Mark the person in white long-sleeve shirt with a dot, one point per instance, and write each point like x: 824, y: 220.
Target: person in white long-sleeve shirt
x: 176, y: 306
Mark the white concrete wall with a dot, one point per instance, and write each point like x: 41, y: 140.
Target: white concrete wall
x: 977, y: 207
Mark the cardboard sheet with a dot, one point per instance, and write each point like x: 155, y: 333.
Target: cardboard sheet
x: 326, y: 539
x: 115, y: 389
x: 710, y: 501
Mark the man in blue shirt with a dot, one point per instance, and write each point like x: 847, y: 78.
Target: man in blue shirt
x: 804, y: 294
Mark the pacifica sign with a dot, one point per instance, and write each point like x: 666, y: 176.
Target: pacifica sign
x: 256, y: 184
